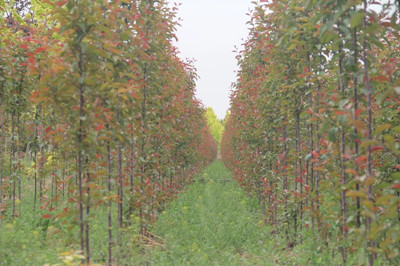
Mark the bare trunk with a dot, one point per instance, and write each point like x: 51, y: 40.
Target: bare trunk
x: 298, y: 172
x: 367, y: 85
x: 35, y: 159
x: 342, y: 155
x: 312, y: 174
x: 13, y: 163
x: 109, y: 173
x: 356, y: 148
x: 2, y: 139
x: 120, y: 181
x: 80, y: 152
x: 87, y: 226
x: 142, y: 148
x: 18, y: 151
x: 132, y: 164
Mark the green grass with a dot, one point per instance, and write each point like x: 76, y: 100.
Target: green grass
x: 25, y: 241
x: 214, y: 222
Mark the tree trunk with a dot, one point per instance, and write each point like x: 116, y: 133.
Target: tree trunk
x: 367, y: 85
x: 87, y: 226
x: 342, y: 154
x: 80, y: 152
x: 13, y: 169
x: 356, y: 148
x: 109, y: 173
x: 2, y: 139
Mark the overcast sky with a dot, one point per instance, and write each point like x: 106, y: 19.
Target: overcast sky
x: 210, y: 30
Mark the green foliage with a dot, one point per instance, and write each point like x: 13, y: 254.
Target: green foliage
x: 308, y: 133
x: 95, y: 98
x: 215, y: 125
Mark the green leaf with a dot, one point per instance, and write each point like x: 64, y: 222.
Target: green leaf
x: 382, y: 128
x: 333, y: 134
x: 356, y: 19
x: 342, y: 119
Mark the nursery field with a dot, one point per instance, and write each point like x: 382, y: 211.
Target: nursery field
x: 107, y: 156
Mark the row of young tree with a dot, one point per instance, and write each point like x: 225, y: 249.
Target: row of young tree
x: 216, y: 125
x: 314, y: 127
x: 97, y: 114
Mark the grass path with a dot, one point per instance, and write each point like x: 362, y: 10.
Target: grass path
x: 213, y: 222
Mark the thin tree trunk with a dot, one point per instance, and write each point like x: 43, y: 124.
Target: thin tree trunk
x: 35, y: 159
x: 109, y: 204
x: 342, y: 155
x: 120, y: 181
x: 142, y: 148
x: 18, y: 151
x: 356, y: 148
x: 63, y: 176
x: 87, y: 226
x: 317, y: 144
x: 312, y: 174
x: 299, y: 173
x: 80, y: 153
x: 285, y: 179
x: 367, y: 85
x: 52, y: 190
x: 12, y: 163
x: 2, y: 139
x: 132, y: 164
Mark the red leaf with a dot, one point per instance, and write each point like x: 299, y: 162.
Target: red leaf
x: 380, y: 78
x: 48, y: 130
x: 377, y: 148
x: 46, y: 216
x: 66, y: 209
x: 325, y: 143
x: 299, y: 180
x: 340, y: 113
x: 397, y: 166
x: 316, y: 155
x: 61, y: 3
x: 38, y: 50
x: 134, y: 95
x: 361, y: 159
x: 357, y: 113
x: 100, y: 127
x: 395, y: 186
x: 304, y: 172
x: 24, y: 46
x: 31, y: 60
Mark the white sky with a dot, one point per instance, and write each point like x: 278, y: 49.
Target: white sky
x: 210, y: 30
